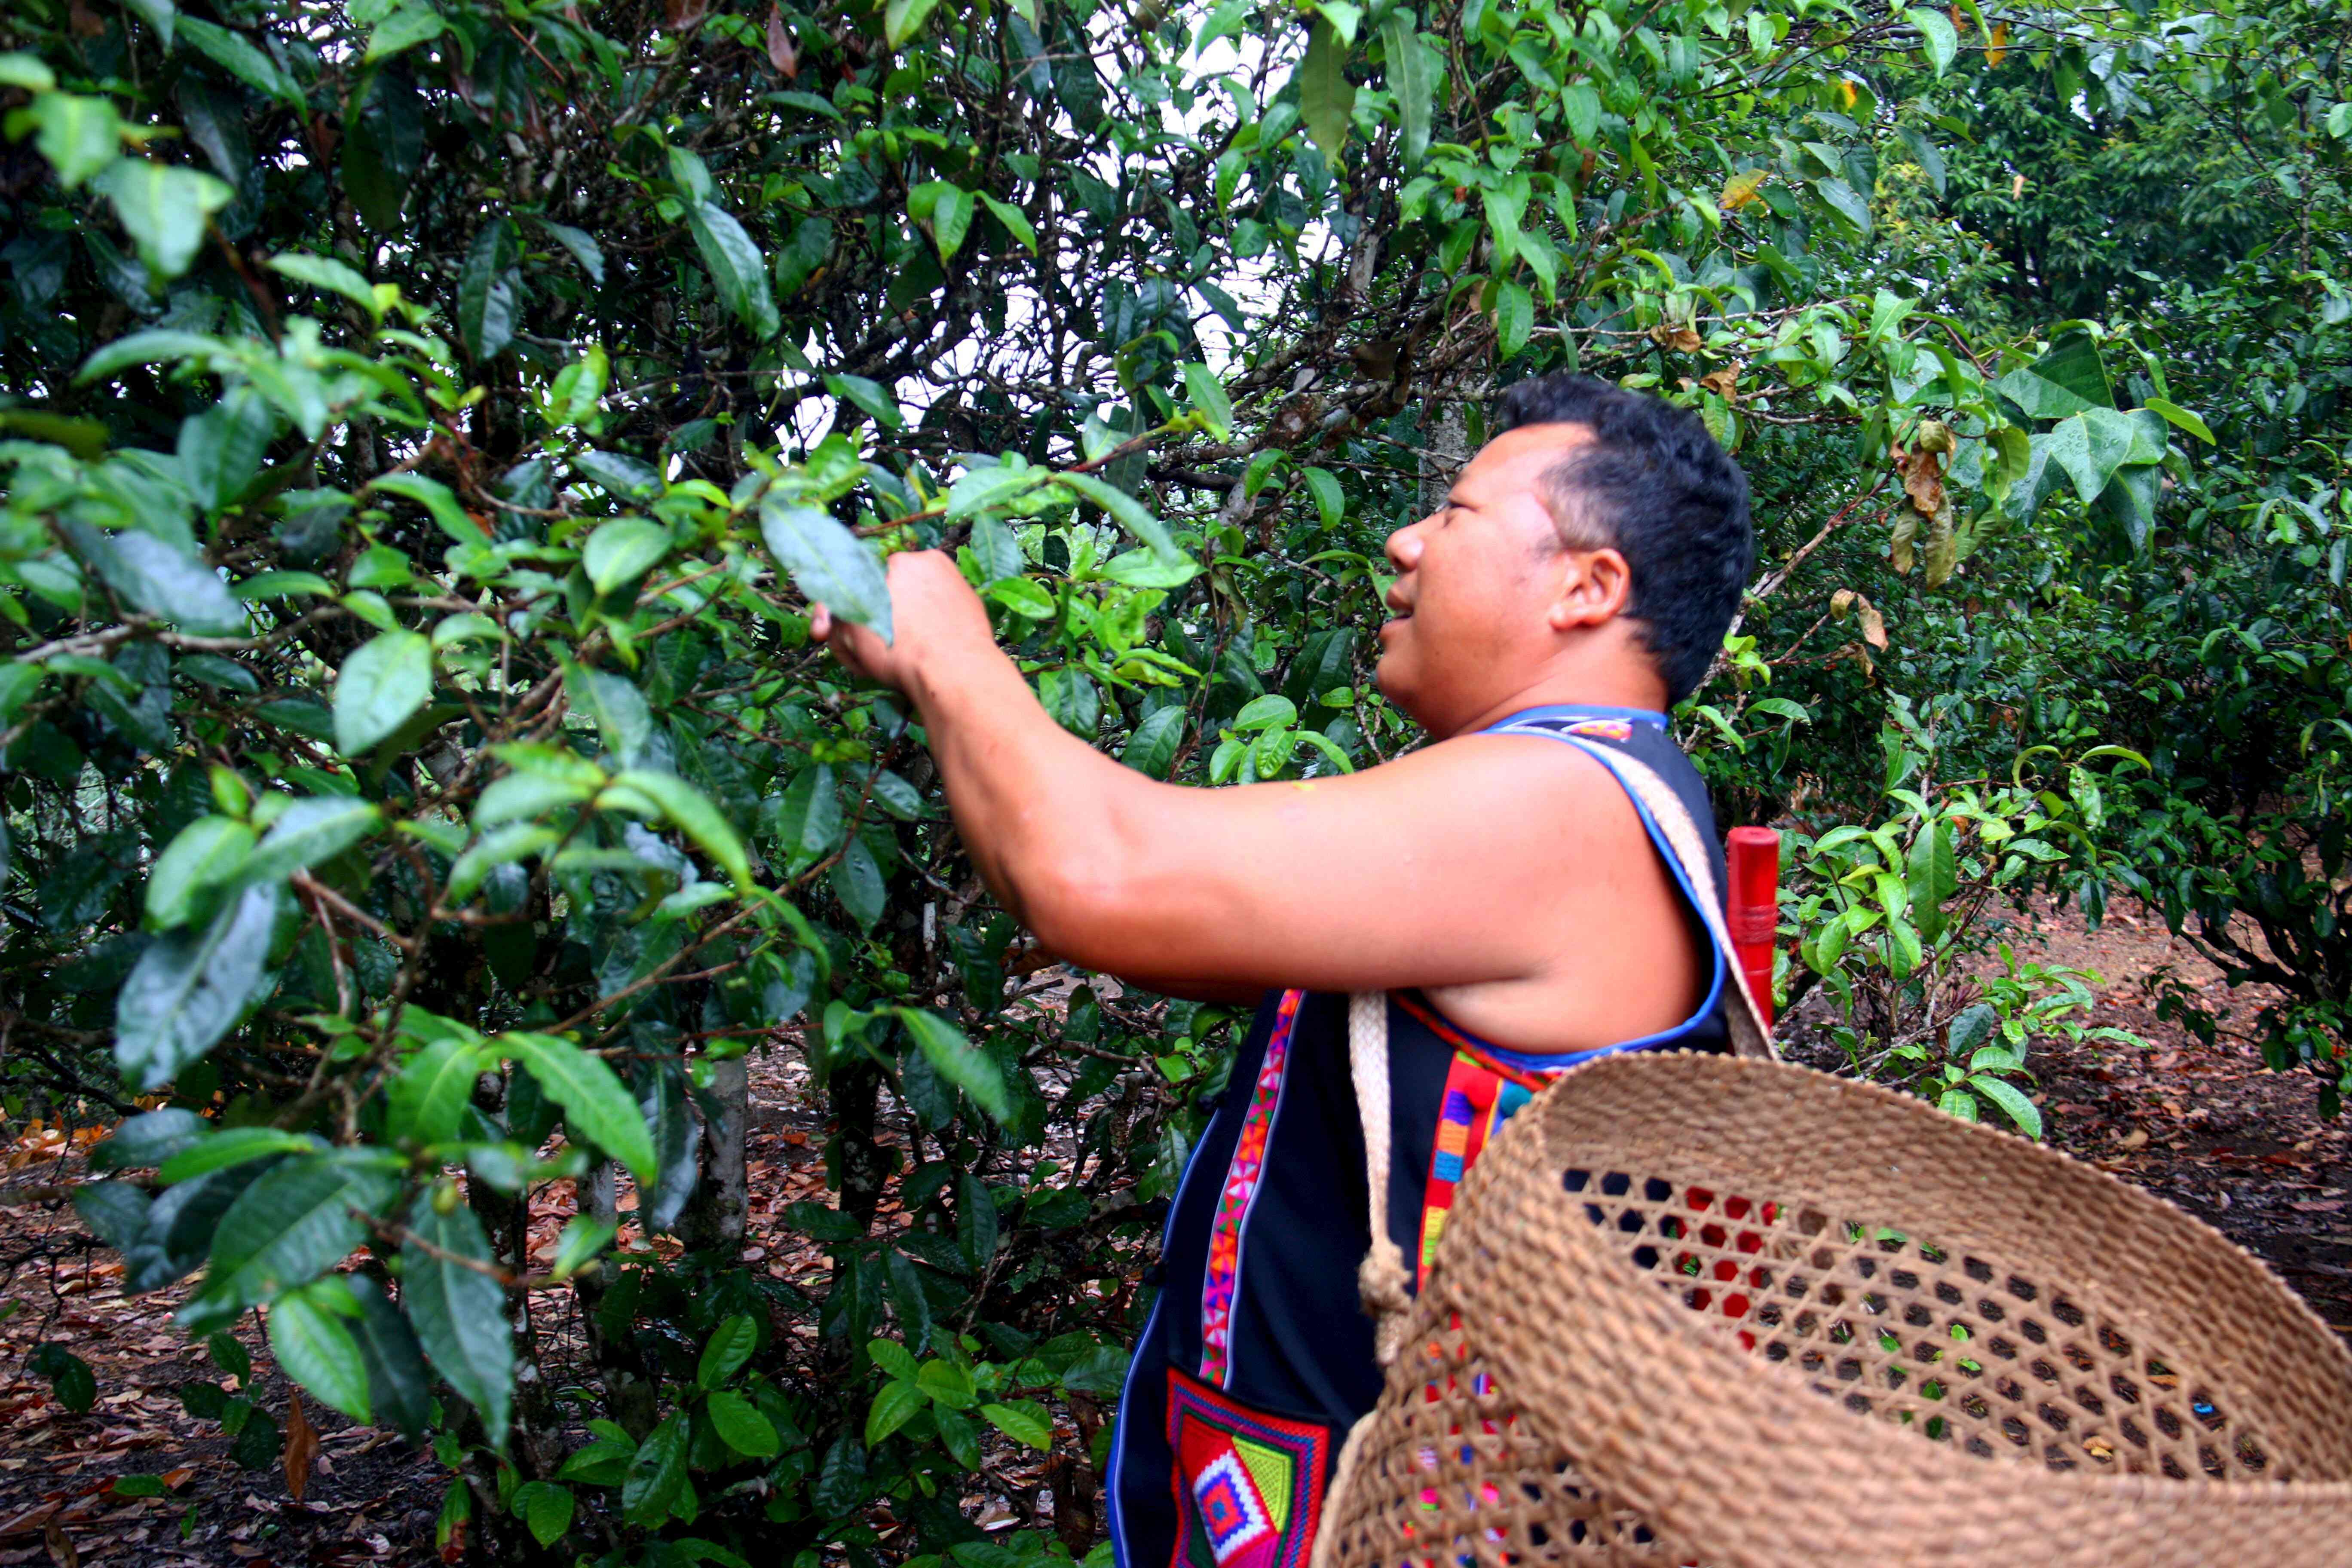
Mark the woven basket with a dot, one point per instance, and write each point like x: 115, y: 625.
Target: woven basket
x: 1696, y: 1310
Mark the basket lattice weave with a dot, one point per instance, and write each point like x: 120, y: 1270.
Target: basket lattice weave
x: 1696, y: 1310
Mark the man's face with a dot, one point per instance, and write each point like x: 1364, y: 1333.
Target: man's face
x: 1476, y: 579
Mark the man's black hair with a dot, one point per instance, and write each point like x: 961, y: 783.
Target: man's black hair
x: 1653, y: 484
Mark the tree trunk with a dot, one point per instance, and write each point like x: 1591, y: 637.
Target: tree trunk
x: 534, y: 1427
x: 858, y: 1166
x: 630, y: 1391
x: 715, y: 1215
x: 1447, y: 449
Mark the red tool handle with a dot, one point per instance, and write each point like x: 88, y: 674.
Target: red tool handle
x: 1753, y: 909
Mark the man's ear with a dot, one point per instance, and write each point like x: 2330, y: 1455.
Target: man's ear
x: 1595, y: 587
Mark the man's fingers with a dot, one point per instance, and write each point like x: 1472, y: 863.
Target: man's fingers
x: 820, y: 622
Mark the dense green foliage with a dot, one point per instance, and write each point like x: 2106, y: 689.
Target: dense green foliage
x: 426, y: 423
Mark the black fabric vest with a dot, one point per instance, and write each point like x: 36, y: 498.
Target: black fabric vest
x: 1257, y: 1357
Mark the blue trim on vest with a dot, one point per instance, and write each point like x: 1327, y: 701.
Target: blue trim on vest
x: 1114, y: 1472
x: 1535, y: 1061
x: 1579, y: 711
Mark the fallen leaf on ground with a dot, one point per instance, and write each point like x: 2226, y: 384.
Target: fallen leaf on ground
x: 301, y: 1446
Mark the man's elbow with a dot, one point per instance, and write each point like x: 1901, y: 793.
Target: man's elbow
x: 1087, y: 909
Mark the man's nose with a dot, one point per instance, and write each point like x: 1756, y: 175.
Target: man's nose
x: 1403, y: 546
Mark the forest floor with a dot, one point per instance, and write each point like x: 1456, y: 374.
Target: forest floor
x: 2207, y: 1127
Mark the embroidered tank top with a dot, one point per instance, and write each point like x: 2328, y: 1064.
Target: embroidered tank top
x: 1257, y: 1356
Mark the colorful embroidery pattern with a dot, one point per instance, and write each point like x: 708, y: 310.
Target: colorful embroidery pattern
x: 1221, y: 1282
x: 1249, y: 1486
x: 1617, y: 730
x: 1477, y: 1101
x: 1481, y: 1094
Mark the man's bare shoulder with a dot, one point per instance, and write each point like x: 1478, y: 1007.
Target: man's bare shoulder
x: 1506, y: 785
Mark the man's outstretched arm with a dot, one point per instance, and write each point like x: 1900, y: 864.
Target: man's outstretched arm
x: 1486, y: 860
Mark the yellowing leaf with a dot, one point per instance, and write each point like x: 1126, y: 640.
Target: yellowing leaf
x: 1997, y: 45
x: 1740, y: 189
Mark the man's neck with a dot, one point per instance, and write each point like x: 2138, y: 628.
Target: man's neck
x: 1598, y: 685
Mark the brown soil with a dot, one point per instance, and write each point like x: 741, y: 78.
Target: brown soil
x: 2208, y: 1127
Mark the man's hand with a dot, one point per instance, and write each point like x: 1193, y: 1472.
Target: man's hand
x: 933, y: 612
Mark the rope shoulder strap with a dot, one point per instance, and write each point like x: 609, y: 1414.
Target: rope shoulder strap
x: 1750, y: 1035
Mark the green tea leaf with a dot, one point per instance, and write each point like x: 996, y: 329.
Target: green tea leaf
x: 894, y: 1406
x: 623, y: 551
x: 242, y: 60
x: 691, y: 811
x: 459, y: 1307
x: 315, y: 1349
x: 193, y: 868
x: 79, y: 136
x: 1412, y: 69
x: 656, y: 1473
x: 403, y: 29
x: 1937, y: 36
x: 1024, y: 1421
x: 1127, y: 512
x: 486, y: 291
x: 958, y: 1060
x: 307, y: 832
x: 426, y: 1099
x: 741, y: 1428
x: 1208, y: 396
x: 69, y: 1377
x: 737, y: 269
x: 381, y: 685
x: 595, y: 1102
x: 546, y: 1509
x: 2012, y: 1100
x: 902, y: 19
x: 832, y: 566
x: 398, y: 1389
x: 234, y: 1146
x: 189, y: 988
x: 1327, y: 98
x: 298, y: 1220
x: 729, y: 1346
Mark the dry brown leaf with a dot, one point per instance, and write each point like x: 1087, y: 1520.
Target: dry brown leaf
x: 2016, y: 186
x: 32, y: 1519
x: 2136, y: 1139
x: 60, y: 1545
x: 782, y: 54
x: 1899, y: 547
x: 1943, y: 546
x: 1724, y: 383
x: 684, y: 16
x: 301, y: 1446
x: 1874, y: 625
x: 1923, y: 479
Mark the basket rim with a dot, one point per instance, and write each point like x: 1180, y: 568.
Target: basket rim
x: 2162, y: 1210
